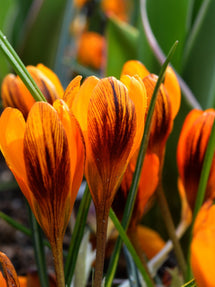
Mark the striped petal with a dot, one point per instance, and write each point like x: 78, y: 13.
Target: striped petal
x: 162, y: 120
x: 53, y: 78
x: 71, y: 91
x: 191, y: 151
x: 47, y: 160
x: 111, y: 130
x: 14, y: 94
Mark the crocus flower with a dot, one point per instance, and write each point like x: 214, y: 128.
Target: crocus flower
x: 203, y: 247
x: 10, y: 277
x: 15, y: 94
x: 46, y: 155
x: 111, y: 115
x: 91, y: 50
x: 166, y: 107
x: 191, y: 150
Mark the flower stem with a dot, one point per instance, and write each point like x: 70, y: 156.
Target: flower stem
x: 101, y: 232
x: 57, y: 251
x: 170, y: 228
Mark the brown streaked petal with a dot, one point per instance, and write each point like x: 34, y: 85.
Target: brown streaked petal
x: 9, y: 272
x: 76, y: 146
x: 47, y: 160
x: 71, y: 91
x: 53, y: 78
x: 162, y: 120
x: 81, y: 101
x: 181, y: 148
x: 15, y: 94
x: 172, y: 86
x: 134, y: 67
x: 203, y: 247
x: 137, y: 93
x: 111, y: 130
x: 194, y: 147
x: 47, y: 88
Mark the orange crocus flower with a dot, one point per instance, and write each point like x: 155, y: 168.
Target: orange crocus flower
x: 46, y: 155
x: 91, y: 50
x: 15, y: 94
x: 203, y: 247
x: 191, y: 150
x: 111, y: 115
x: 166, y: 107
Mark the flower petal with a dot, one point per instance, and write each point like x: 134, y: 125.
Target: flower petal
x: 81, y: 101
x: 173, y: 89
x: 47, y: 160
x: 111, y: 130
x: 53, y: 78
x: 137, y: 93
x: 133, y: 68
x: 9, y: 271
x: 72, y: 90
x: 15, y: 94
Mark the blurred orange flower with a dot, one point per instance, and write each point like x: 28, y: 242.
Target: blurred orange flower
x: 191, y: 150
x: 91, y: 50
x: 15, y: 94
x: 117, y: 8
x: 46, y: 155
x: 203, y: 247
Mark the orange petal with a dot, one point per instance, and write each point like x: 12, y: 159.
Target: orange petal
x: 53, y: 78
x: 111, y: 130
x: 133, y: 68
x: 191, y: 150
x: 81, y: 101
x: 47, y: 160
x: 137, y: 93
x: 203, y: 247
x: 71, y: 91
x: 76, y: 146
x: 186, y: 213
x: 150, y: 241
x: 44, y: 83
x: 14, y: 94
x: 173, y: 89
x: 162, y: 120
x: 9, y: 272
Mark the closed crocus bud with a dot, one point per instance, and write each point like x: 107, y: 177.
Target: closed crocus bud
x: 191, y: 150
x: 166, y: 107
x: 46, y: 155
x: 15, y: 94
x: 111, y: 115
x: 91, y: 50
x: 203, y: 247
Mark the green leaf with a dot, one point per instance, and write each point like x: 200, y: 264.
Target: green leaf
x: 122, y: 43
x: 191, y: 283
x: 131, y: 269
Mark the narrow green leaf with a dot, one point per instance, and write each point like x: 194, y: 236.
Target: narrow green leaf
x: 19, y: 68
x: 191, y: 283
x: 38, y: 249
x: 130, y: 248
x: 133, y: 189
x: 15, y: 224
x: 131, y: 269
x: 77, y: 236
